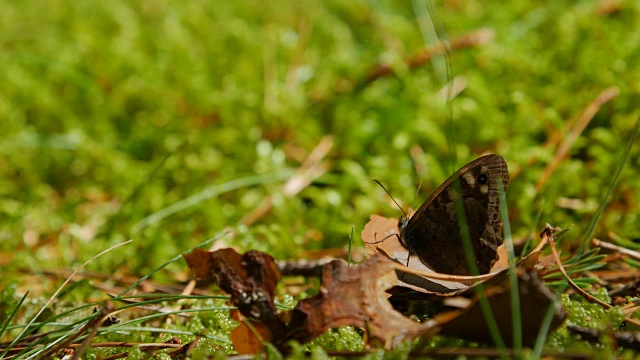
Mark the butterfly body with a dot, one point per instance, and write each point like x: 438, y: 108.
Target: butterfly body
x: 434, y: 233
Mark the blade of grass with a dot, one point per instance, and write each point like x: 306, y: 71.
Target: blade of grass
x: 134, y: 193
x: 580, y: 258
x: 514, y: 291
x: 433, y: 31
x: 176, y: 258
x: 23, y: 332
x: 527, y: 243
x: 350, y: 245
x: 6, y: 320
x: 208, y: 193
x: 473, y: 268
x: 621, y: 241
x: 548, y: 317
x: 429, y: 25
x: 544, y: 327
x: 605, y: 200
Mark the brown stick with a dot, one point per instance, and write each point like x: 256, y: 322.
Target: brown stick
x: 622, y: 250
x: 423, y: 56
x: 574, y: 127
x: 312, y: 168
x: 575, y: 131
x: 584, y: 294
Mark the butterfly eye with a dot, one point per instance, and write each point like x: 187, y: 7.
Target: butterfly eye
x: 482, y: 179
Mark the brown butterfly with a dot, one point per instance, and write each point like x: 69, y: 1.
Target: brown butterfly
x: 433, y: 233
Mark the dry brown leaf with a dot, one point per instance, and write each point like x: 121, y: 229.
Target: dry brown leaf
x: 535, y: 299
x: 356, y: 296
x: 249, y: 336
x: 250, y: 278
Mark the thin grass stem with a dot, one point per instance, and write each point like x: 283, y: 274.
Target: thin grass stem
x: 514, y: 291
x: 586, y: 240
x: 176, y: 258
x: 208, y: 193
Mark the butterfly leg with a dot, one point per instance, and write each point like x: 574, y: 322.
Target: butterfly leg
x: 379, y: 241
x: 408, y: 254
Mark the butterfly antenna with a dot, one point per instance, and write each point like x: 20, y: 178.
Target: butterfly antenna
x: 394, y: 200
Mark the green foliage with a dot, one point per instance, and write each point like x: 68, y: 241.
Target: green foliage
x: 167, y: 122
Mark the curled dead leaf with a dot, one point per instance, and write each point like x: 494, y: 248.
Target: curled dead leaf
x: 249, y: 278
x: 535, y: 299
x: 356, y: 296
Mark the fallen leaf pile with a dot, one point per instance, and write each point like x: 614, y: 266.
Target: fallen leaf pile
x: 359, y: 296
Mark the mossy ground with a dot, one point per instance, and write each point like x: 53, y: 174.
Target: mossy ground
x: 113, y: 111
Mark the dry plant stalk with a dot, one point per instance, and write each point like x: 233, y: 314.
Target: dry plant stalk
x: 576, y: 288
x: 564, y: 140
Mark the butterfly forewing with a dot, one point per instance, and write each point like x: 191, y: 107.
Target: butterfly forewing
x: 434, y: 233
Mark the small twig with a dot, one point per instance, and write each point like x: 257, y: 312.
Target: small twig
x: 311, y: 168
x: 581, y: 123
x: 184, y: 350
x: 626, y: 290
x: 423, y: 56
x: 619, y: 249
x: 589, y: 297
x: 117, y: 356
x: 574, y: 127
x: 575, y: 287
x: 631, y: 307
x: 107, y: 309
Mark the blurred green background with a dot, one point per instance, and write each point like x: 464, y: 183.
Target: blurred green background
x: 112, y: 111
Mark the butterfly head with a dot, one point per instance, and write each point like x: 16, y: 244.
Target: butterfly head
x: 403, y: 221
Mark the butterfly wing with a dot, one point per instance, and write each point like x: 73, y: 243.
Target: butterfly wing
x: 434, y: 233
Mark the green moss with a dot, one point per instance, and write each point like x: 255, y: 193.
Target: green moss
x: 591, y: 316
x: 583, y: 313
x: 341, y: 339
